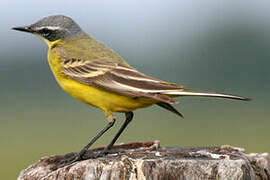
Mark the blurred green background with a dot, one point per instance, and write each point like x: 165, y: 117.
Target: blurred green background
x: 220, y: 46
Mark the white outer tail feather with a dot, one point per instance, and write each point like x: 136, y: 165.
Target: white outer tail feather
x: 188, y: 92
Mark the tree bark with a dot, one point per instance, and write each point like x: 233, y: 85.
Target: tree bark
x: 149, y: 161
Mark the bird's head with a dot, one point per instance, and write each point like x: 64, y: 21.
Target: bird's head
x: 53, y: 28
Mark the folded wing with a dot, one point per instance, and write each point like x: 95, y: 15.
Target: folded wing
x: 119, y: 79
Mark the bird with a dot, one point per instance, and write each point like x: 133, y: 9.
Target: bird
x: 96, y: 75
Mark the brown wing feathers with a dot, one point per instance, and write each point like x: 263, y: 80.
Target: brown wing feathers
x: 119, y: 79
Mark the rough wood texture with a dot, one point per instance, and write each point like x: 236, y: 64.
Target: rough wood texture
x: 149, y: 161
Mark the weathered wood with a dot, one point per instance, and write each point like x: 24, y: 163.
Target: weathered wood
x: 149, y: 161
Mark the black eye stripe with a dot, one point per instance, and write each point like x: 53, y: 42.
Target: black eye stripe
x: 45, y: 31
x: 51, y: 33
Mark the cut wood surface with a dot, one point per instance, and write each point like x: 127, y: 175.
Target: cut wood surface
x: 149, y: 161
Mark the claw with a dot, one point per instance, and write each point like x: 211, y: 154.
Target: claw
x: 69, y: 159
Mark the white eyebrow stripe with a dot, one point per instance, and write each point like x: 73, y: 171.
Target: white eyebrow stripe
x: 49, y: 27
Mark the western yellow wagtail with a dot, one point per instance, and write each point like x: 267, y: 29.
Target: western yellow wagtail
x: 96, y: 75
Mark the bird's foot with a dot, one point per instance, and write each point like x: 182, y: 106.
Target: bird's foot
x: 71, y: 158
x: 94, y: 155
x: 102, y: 153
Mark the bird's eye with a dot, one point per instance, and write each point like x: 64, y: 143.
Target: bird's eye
x: 45, y: 32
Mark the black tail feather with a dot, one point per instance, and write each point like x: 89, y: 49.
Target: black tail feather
x: 170, y: 108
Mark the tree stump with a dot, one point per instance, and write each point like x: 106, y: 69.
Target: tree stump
x: 149, y: 161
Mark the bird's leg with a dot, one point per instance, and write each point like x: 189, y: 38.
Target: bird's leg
x: 105, y: 151
x: 106, y: 128
x: 79, y: 156
x: 129, y: 116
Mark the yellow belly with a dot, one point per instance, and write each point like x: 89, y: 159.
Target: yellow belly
x: 105, y: 100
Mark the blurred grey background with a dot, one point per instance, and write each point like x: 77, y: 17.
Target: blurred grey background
x: 220, y: 46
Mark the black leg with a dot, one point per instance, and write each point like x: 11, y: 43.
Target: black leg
x: 129, y: 116
x: 78, y: 157
x: 83, y: 151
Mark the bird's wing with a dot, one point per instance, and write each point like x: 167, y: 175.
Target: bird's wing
x: 119, y: 79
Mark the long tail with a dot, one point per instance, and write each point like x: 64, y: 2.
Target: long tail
x: 189, y: 92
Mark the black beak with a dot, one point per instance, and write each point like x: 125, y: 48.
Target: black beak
x: 24, y: 29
